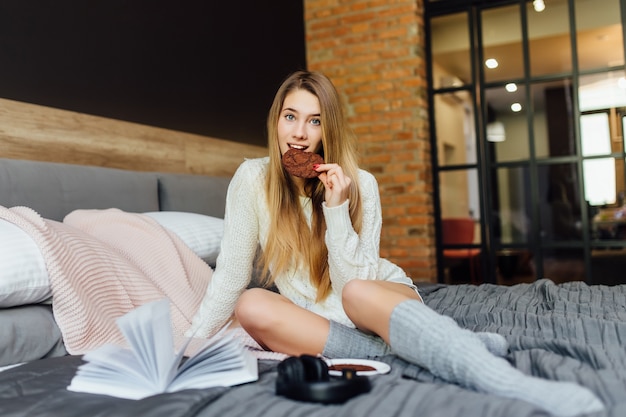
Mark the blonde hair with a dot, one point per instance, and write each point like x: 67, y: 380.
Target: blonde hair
x: 289, y: 236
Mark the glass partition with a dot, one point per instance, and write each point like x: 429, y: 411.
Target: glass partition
x: 602, y: 91
x: 604, y: 192
x: 599, y: 35
x: 507, y: 124
x: 559, y: 196
x: 502, y: 43
x: 549, y: 108
x: 450, y: 43
x: 553, y: 118
x: 549, y: 44
x: 511, y: 205
x: 454, y: 124
x: 602, y: 101
x: 459, y: 195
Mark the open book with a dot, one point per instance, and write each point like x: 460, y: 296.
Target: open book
x: 150, y: 366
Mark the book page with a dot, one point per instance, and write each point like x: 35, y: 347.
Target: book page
x: 148, y: 331
x: 150, y: 366
x: 247, y: 372
x: 112, y: 370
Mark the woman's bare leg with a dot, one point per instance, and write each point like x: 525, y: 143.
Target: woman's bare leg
x: 279, y: 325
x: 369, y: 304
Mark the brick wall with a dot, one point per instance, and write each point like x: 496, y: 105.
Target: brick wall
x: 373, y: 50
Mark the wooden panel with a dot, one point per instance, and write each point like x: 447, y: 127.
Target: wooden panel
x: 34, y: 132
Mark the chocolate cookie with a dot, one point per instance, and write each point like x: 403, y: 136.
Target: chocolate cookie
x: 357, y: 368
x: 300, y: 163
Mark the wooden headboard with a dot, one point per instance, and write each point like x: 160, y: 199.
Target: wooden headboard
x: 39, y: 133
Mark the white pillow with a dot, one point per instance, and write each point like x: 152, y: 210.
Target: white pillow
x: 203, y: 234
x: 23, y: 274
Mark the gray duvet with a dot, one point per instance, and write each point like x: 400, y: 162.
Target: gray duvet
x: 567, y: 332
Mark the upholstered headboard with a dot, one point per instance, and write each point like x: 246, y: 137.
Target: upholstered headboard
x: 55, y: 189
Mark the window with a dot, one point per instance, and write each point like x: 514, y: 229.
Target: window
x: 527, y: 128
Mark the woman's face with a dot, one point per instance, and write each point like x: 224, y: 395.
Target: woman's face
x: 299, y: 124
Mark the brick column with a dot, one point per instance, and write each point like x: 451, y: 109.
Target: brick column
x: 373, y: 50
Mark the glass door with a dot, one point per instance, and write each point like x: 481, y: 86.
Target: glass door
x: 527, y: 119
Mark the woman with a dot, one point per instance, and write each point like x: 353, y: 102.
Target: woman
x: 319, y: 241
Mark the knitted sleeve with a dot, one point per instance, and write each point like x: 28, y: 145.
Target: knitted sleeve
x: 352, y: 255
x: 234, y: 264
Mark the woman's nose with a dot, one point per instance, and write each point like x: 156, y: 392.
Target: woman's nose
x: 300, y: 130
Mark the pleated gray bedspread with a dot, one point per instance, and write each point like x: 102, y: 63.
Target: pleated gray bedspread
x: 567, y: 332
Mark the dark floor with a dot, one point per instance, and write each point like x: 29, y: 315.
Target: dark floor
x: 608, y: 268
x: 523, y: 271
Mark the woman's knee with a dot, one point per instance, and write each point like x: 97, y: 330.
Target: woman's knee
x: 361, y: 297
x: 252, y: 308
x: 357, y: 293
x: 354, y: 290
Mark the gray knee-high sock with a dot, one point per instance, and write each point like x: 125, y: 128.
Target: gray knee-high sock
x: 494, y: 342
x: 426, y: 338
x: 346, y: 342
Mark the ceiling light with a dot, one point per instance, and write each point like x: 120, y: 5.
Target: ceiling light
x: 511, y: 87
x: 491, y: 63
x: 539, y: 5
x: 516, y: 107
x: 496, y: 132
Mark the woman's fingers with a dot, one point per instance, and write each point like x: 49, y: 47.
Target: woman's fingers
x: 333, y: 171
x: 337, y: 184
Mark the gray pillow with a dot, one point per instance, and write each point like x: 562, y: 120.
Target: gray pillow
x: 28, y: 333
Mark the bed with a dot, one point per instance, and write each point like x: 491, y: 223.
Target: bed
x: 570, y: 331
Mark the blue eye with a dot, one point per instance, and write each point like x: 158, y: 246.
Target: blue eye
x: 290, y: 117
x: 316, y: 122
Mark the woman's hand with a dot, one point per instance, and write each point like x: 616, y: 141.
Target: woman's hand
x: 336, y: 183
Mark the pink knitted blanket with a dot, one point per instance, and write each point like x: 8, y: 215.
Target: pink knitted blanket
x: 104, y: 263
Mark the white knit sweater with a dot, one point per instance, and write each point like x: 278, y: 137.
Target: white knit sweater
x: 246, y: 224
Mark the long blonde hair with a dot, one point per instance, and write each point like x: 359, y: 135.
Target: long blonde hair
x: 289, y: 236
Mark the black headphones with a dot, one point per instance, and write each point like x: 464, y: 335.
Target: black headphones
x: 306, y: 378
